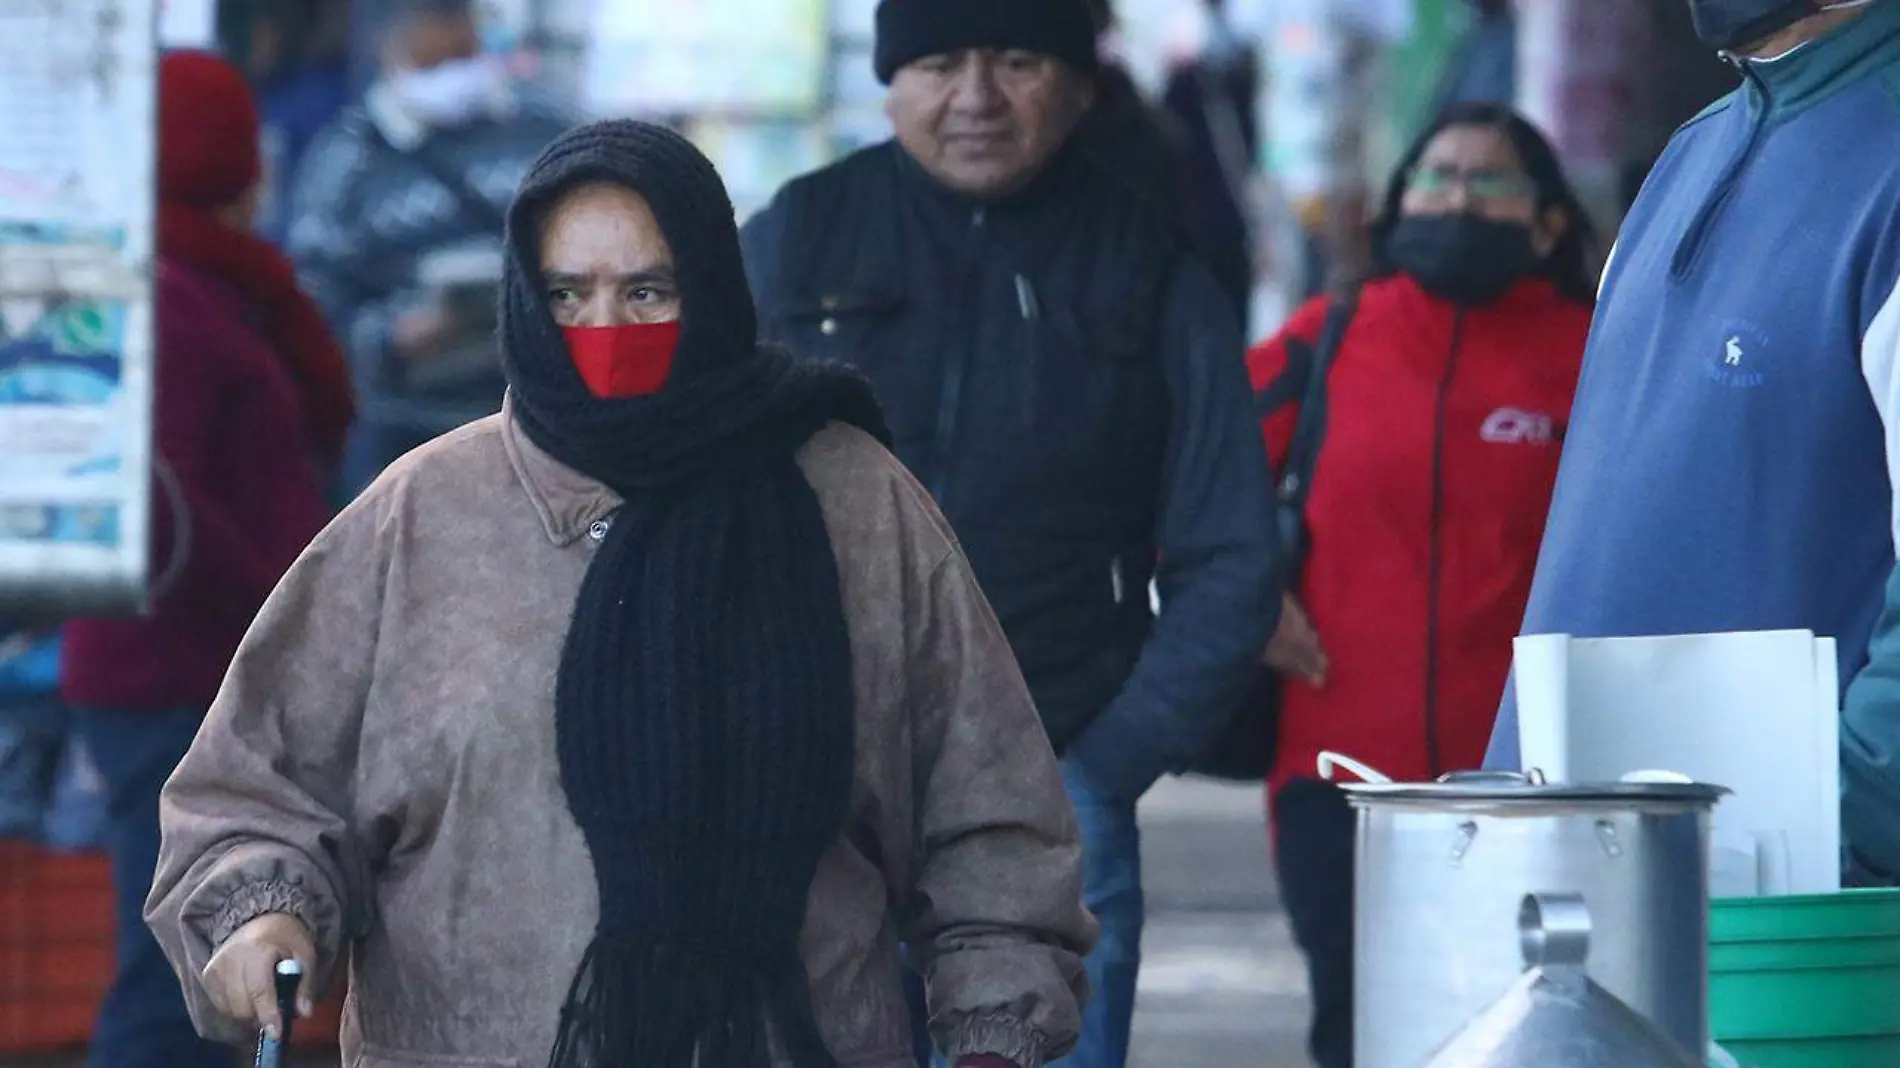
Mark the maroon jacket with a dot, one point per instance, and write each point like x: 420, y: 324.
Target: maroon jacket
x: 231, y: 427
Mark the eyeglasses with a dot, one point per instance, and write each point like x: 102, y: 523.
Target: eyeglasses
x: 1438, y: 183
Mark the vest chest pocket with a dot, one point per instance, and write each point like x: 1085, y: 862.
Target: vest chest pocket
x: 837, y: 324
x: 1091, y: 391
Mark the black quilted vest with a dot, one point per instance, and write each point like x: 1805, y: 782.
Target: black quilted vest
x: 1015, y: 350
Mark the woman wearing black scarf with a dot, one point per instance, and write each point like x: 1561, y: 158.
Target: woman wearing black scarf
x: 760, y: 701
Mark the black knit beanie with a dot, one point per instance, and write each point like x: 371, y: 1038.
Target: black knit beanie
x: 910, y: 30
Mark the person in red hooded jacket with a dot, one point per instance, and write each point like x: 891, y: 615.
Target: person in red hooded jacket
x: 252, y: 401
x: 1446, y: 403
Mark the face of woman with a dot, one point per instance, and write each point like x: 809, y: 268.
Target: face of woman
x: 1474, y: 170
x: 606, y: 261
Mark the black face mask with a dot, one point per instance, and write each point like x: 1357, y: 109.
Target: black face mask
x: 1465, y: 259
x: 1726, y: 25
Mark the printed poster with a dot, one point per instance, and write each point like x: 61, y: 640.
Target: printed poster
x: 76, y: 187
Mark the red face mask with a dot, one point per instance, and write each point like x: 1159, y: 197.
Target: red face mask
x: 630, y: 360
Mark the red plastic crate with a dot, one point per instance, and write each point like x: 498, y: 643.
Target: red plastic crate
x: 55, y: 946
x: 56, y: 951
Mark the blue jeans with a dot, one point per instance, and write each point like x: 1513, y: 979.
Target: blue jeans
x: 1111, y: 889
x: 143, y: 1022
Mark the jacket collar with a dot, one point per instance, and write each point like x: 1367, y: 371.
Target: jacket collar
x: 1533, y: 295
x: 568, y: 502
x: 1825, y: 66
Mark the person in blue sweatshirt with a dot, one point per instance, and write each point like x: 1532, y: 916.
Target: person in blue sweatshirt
x: 1728, y: 462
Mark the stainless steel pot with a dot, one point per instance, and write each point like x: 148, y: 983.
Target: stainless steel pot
x: 1443, y: 869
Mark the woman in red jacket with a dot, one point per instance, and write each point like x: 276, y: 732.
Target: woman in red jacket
x: 253, y: 400
x: 1446, y: 405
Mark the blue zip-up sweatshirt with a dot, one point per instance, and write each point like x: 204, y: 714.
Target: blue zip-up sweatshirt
x: 1727, y: 464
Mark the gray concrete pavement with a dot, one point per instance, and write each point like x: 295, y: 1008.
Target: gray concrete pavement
x: 1222, y: 985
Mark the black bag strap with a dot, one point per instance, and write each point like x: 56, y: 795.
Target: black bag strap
x: 1309, y: 432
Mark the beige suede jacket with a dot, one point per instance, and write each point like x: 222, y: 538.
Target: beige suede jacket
x: 381, y: 764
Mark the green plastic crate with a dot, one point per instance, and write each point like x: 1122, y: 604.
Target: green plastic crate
x: 1807, y: 982
x: 1798, y: 1003
x: 1849, y: 914
x: 1805, y: 954
x: 1879, y: 1051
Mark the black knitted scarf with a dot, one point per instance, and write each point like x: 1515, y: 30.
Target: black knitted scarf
x: 704, y: 706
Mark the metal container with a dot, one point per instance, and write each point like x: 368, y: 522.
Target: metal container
x: 1555, y: 1016
x: 1443, y: 869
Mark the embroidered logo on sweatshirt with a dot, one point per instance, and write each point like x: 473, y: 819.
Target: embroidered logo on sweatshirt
x: 1739, y: 364
x: 1515, y: 426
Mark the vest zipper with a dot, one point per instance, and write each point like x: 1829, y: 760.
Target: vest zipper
x: 957, y: 367
x: 1698, y: 232
x: 1031, y: 310
x: 1439, y: 418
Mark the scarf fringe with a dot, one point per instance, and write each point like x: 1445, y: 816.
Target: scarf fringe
x: 642, y: 1005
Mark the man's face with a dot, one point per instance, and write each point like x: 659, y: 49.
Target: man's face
x: 985, y: 123
x: 435, y: 40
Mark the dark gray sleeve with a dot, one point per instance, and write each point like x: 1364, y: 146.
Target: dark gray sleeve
x: 1870, y: 754
x: 761, y: 240
x: 1220, y: 599
x: 326, y: 242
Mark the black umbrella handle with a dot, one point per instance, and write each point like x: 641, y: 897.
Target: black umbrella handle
x: 270, y: 1051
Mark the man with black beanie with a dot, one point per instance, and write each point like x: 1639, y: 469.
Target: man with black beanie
x: 638, y: 724
x: 1066, y: 378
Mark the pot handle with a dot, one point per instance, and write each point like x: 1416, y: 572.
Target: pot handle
x: 1330, y: 762
x: 1492, y: 778
x: 1554, y: 930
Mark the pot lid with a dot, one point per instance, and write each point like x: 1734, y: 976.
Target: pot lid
x: 1555, y: 1015
x: 1500, y: 786
x: 1642, y: 788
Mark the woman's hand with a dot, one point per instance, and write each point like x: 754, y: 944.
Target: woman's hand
x: 242, y: 975
x: 1295, y: 649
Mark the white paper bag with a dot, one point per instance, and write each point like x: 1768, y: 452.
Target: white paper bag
x: 1756, y: 712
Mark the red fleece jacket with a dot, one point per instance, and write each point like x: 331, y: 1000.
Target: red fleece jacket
x: 1427, y: 511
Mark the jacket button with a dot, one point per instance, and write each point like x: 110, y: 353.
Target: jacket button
x: 597, y: 530
x: 829, y: 303
x: 828, y: 327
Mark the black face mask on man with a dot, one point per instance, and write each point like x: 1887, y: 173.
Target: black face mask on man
x: 1726, y: 25
x: 1466, y: 259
